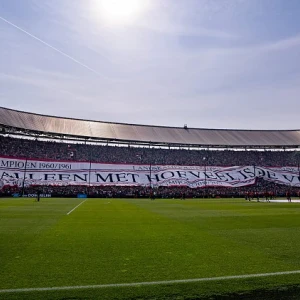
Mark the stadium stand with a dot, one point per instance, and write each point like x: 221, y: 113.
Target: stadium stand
x: 32, y: 136
x: 114, y: 154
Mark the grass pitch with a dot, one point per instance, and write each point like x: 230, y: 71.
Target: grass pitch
x: 108, y: 241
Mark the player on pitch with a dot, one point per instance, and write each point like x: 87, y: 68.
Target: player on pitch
x: 38, y: 196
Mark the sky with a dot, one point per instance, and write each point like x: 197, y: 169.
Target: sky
x: 204, y: 63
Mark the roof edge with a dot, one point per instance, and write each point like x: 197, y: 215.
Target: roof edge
x: 144, y: 125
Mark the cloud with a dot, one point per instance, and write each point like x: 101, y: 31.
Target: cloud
x: 283, y: 44
x: 148, y: 76
x: 183, y: 30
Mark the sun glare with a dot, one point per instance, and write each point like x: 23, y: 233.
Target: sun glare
x: 120, y: 11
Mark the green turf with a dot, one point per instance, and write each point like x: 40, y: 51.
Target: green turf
x: 108, y: 241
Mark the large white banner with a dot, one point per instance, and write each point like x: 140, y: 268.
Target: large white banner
x: 35, y: 172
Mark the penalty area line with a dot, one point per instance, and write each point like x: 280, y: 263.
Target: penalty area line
x: 135, y: 284
x: 76, y: 207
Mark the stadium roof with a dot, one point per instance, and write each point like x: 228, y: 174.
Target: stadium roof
x: 145, y: 134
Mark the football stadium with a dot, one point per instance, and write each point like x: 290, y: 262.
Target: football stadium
x: 149, y: 150
x: 99, y: 210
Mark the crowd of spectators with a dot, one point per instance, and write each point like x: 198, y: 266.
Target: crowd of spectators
x: 260, y: 189
x: 35, y: 149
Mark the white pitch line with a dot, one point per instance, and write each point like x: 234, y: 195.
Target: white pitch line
x: 133, y: 284
x: 76, y: 207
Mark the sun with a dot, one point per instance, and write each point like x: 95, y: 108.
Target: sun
x: 120, y: 11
